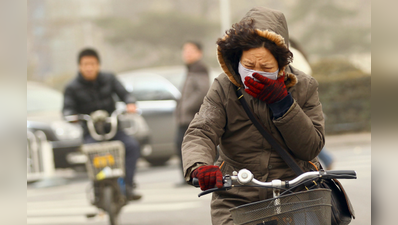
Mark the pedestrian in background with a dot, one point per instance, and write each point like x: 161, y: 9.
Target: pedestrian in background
x: 195, y: 87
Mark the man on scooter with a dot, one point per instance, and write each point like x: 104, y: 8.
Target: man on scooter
x: 93, y: 90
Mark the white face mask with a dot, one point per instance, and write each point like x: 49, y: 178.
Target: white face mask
x: 245, y: 72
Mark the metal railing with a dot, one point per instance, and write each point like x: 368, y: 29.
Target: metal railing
x: 40, y: 160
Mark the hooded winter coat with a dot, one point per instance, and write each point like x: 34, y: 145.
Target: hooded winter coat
x: 222, y: 121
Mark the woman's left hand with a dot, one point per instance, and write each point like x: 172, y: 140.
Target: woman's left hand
x: 266, y: 90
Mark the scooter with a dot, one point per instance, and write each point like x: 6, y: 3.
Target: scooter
x: 105, y: 162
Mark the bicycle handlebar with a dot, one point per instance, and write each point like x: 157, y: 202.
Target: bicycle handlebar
x: 246, y: 178
x: 340, y: 174
x: 98, y: 115
x: 195, y: 182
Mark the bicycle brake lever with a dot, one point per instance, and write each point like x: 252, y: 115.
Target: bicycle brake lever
x: 208, y: 191
x: 227, y: 185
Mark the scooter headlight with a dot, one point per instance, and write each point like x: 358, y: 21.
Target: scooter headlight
x: 66, y: 131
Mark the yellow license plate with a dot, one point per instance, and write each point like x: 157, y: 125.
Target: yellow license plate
x: 103, y: 161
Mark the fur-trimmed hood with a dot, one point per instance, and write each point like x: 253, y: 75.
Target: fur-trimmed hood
x: 270, y: 24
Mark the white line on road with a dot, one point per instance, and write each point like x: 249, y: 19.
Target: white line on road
x: 66, y: 220
x: 161, y: 207
x: 61, y: 211
x: 77, y: 215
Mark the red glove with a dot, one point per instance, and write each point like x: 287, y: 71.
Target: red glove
x: 208, y: 176
x: 266, y: 90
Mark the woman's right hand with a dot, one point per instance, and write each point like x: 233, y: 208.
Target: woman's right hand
x: 208, y: 176
x: 266, y: 90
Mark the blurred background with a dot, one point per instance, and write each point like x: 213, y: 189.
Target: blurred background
x: 141, y: 40
x: 129, y: 35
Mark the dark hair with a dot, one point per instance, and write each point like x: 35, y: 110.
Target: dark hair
x: 242, y: 37
x: 197, y: 44
x: 88, y: 52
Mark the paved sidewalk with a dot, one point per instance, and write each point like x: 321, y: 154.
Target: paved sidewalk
x: 348, y: 139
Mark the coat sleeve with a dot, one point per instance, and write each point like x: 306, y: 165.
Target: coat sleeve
x: 70, y: 104
x: 202, y: 137
x: 303, y: 128
x: 122, y: 93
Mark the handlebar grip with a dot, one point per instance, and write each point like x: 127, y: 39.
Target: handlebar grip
x: 195, y: 182
x: 72, y: 118
x: 340, y: 174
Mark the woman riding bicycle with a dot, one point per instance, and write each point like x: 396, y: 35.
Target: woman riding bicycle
x: 254, y: 55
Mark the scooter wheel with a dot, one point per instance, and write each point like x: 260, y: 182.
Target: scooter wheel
x: 110, y: 205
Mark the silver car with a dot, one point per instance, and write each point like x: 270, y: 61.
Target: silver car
x: 156, y: 101
x: 176, y: 74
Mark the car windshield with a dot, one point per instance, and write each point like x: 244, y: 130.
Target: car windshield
x: 147, y: 88
x: 43, y: 99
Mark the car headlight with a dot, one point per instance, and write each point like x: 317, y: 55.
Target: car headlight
x: 66, y: 131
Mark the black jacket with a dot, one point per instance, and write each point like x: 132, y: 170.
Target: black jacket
x: 84, y: 97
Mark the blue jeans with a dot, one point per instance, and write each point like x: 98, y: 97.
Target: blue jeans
x: 132, y: 148
x: 325, y: 157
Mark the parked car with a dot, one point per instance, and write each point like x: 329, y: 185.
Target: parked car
x: 44, y: 107
x: 157, y: 92
x: 176, y: 74
x: 44, y: 113
x: 156, y: 100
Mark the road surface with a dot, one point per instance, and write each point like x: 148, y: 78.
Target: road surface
x: 164, y: 203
